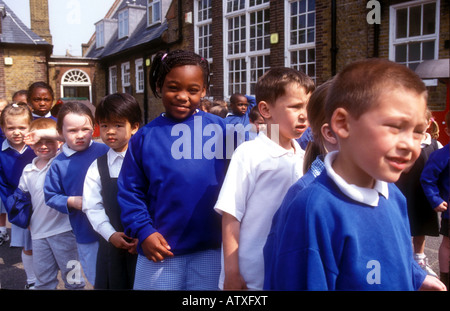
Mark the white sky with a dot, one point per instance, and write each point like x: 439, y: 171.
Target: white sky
x: 71, y: 21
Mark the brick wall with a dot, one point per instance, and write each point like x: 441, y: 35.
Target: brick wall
x: 29, y: 65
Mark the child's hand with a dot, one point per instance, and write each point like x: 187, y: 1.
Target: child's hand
x: 75, y: 202
x: 441, y: 207
x: 234, y: 282
x: 156, y: 248
x: 432, y: 283
x: 133, y: 248
x: 33, y: 137
x: 119, y: 240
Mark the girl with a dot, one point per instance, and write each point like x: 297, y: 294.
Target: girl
x: 40, y: 99
x: 166, y: 200
x: 119, y: 117
x: 63, y: 186
x: 14, y: 156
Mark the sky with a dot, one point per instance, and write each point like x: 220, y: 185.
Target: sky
x: 71, y: 21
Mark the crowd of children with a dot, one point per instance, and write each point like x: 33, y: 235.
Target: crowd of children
x: 159, y: 207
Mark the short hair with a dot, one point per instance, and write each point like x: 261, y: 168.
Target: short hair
x: 235, y: 97
x: 42, y: 123
x: 15, y: 109
x: 118, y: 106
x: 20, y: 92
x: 359, y: 85
x: 76, y: 108
x: 164, y: 62
x: 273, y: 83
x: 39, y: 85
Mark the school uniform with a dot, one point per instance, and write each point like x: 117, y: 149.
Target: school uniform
x: 259, y: 175
x: 48, y: 115
x: 65, y: 178
x: 169, y: 182
x: 115, y: 267
x: 435, y: 180
x: 338, y: 236
x: 12, y: 164
x: 54, y: 244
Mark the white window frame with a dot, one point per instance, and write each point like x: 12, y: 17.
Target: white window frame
x: 139, y: 73
x: 100, y: 35
x: 125, y: 74
x: 76, y: 77
x: 112, y: 79
x: 201, y: 45
x: 307, y: 64
x: 245, y: 57
x: 123, y: 23
x: 393, y: 41
x: 151, y: 5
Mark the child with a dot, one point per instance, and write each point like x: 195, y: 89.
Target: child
x: 119, y: 117
x: 20, y: 96
x: 323, y: 142
x: 422, y: 218
x: 63, y: 186
x: 260, y: 173
x: 239, y: 109
x: 435, y: 180
x: 15, y: 155
x: 167, y: 191
x: 54, y: 244
x: 40, y: 98
x: 4, y: 236
x: 349, y: 230
x: 257, y: 122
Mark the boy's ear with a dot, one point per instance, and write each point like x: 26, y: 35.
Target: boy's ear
x: 339, y: 123
x: 134, y: 128
x: 264, y: 110
x: 328, y: 134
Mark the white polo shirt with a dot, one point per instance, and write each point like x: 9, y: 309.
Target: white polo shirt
x: 259, y: 175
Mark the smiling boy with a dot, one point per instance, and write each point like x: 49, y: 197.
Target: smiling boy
x: 349, y: 229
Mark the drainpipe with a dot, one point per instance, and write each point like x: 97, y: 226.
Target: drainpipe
x: 333, y: 38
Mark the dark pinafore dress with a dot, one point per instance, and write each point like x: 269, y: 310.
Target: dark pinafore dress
x: 115, y: 267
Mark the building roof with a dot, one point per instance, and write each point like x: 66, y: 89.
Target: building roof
x: 14, y: 31
x: 141, y: 35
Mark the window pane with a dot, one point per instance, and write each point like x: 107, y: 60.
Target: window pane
x: 428, y: 50
x: 400, y: 53
x: 429, y: 18
x: 402, y: 17
x: 414, y: 21
x: 414, y: 52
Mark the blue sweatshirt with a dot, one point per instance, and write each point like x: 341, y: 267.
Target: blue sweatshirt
x: 435, y: 178
x: 66, y: 178
x: 12, y: 164
x: 162, y: 190
x: 331, y: 242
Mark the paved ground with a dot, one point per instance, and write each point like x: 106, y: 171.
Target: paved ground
x: 12, y: 274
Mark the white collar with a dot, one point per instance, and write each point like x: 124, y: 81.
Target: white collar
x: 113, y: 156
x: 48, y: 115
x: 369, y: 196
x: 427, y: 140
x: 276, y: 150
x: 33, y: 166
x: 69, y: 152
x: 6, y: 145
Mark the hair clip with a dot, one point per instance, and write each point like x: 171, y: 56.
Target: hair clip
x: 164, y: 56
x: 15, y: 105
x: 432, y: 119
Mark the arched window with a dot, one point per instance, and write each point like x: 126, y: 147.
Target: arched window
x: 75, y: 83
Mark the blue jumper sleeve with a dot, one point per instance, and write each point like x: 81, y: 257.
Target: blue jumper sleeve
x: 429, y: 179
x: 53, y: 191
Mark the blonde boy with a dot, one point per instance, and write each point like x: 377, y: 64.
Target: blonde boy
x: 260, y: 173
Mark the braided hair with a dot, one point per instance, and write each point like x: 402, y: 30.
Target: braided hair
x: 164, y: 62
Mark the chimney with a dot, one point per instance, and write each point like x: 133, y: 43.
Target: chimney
x: 39, y: 19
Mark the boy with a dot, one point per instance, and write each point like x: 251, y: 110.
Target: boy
x: 349, y: 229
x: 435, y: 180
x: 260, y: 173
x: 54, y: 244
x: 239, y: 107
x: 119, y: 117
